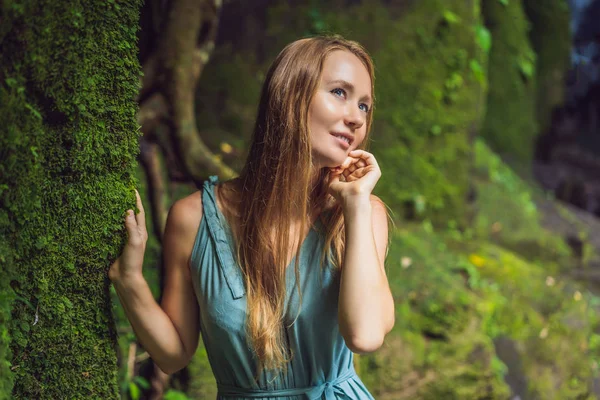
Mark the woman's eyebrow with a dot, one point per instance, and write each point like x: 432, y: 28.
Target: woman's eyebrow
x: 350, y: 87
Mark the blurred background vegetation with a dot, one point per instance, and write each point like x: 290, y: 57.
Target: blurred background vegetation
x: 486, y: 130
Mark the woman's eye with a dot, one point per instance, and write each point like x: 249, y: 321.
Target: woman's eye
x: 339, y: 92
x: 364, y: 107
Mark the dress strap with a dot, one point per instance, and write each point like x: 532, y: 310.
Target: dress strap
x: 216, y: 226
x: 327, y: 390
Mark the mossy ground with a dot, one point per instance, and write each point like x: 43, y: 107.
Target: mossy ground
x: 458, y: 292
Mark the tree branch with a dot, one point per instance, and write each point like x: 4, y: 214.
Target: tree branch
x: 182, y: 60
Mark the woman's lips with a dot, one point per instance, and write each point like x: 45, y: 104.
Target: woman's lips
x: 342, y: 142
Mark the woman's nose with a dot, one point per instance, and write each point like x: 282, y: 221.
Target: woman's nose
x: 354, y: 117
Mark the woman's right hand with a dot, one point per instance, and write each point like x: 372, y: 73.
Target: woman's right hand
x: 129, y: 263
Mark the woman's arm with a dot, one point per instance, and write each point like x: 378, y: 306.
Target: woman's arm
x: 366, y: 305
x: 169, y: 333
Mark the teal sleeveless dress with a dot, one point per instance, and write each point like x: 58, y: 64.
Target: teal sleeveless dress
x: 321, y: 368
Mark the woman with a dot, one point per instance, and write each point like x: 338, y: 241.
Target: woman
x: 273, y: 331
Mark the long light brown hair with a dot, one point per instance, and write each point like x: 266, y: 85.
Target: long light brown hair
x: 276, y: 186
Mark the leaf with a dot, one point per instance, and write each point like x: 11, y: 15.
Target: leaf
x: 477, y: 71
x: 450, y: 17
x: 175, y: 395
x: 33, y: 111
x: 503, y: 2
x: 142, y: 382
x: 526, y: 68
x: 134, y: 391
x: 483, y: 38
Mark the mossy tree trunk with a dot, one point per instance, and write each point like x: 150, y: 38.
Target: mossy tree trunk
x: 510, y: 125
x: 551, y: 39
x: 68, y: 78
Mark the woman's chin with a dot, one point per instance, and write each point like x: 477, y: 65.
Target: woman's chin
x: 336, y: 161
x: 332, y: 160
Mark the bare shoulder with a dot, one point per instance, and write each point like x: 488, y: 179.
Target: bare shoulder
x: 376, y: 200
x: 380, y: 213
x: 182, y: 226
x: 379, y: 207
x: 186, y: 213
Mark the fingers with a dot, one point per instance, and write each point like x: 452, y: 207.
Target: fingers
x: 353, y: 164
x: 357, y: 159
x: 141, y: 216
x: 136, y: 224
x: 368, y: 158
x: 131, y: 224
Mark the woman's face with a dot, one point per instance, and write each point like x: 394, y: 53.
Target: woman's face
x: 339, y: 108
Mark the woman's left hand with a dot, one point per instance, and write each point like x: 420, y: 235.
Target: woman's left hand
x: 360, y: 171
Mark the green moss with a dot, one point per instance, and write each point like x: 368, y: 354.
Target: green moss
x: 19, y: 164
x: 67, y: 103
x: 510, y: 124
x: 500, y: 189
x: 549, y: 317
x: 440, y: 346
x: 472, y: 292
x: 550, y: 37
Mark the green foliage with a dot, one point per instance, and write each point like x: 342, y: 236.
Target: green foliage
x: 65, y: 189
